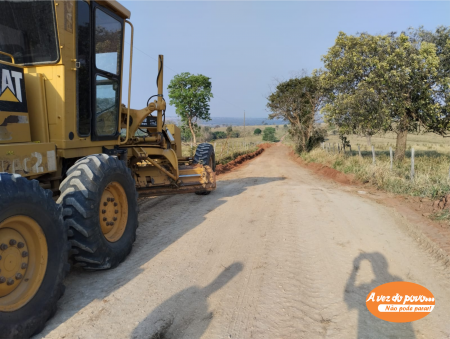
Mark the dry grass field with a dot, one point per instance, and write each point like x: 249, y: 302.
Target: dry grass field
x: 229, y: 149
x: 431, y: 164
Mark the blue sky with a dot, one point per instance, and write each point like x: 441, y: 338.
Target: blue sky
x: 244, y: 46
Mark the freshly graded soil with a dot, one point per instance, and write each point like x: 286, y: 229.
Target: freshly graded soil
x: 275, y: 252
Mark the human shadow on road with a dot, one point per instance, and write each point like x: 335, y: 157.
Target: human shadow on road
x: 163, y: 221
x: 185, y: 314
x: 355, y: 296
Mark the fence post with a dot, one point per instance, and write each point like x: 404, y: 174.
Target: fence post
x: 390, y: 154
x: 214, y: 147
x: 334, y: 148
x: 412, y: 164
x: 373, y: 155
x: 359, y: 151
x: 350, y: 147
x: 339, y: 149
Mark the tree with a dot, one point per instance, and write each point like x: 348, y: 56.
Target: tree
x: 229, y: 130
x: 269, y: 134
x: 382, y: 83
x: 257, y: 131
x: 191, y: 94
x: 298, y: 101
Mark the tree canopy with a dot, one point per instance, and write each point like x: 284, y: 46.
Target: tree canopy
x: 298, y: 101
x: 384, y: 83
x: 191, y: 94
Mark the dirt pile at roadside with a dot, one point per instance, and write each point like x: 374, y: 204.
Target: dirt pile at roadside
x: 220, y: 169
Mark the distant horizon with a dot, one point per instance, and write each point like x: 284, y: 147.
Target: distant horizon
x: 245, y: 47
x: 233, y: 121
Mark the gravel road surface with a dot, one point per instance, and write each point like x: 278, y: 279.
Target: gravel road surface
x: 274, y: 252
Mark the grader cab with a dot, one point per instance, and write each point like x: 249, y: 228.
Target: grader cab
x: 66, y: 136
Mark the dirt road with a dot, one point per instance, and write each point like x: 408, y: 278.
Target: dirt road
x: 275, y: 252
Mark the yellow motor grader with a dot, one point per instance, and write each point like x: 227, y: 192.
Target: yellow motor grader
x: 65, y: 136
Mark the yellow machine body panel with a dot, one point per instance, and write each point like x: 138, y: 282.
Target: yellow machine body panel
x: 28, y: 158
x: 14, y: 127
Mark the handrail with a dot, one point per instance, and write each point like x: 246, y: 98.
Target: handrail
x: 129, y: 82
x: 10, y: 55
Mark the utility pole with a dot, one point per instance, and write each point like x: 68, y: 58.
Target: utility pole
x: 244, y: 127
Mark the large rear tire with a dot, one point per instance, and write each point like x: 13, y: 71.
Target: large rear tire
x: 33, y: 256
x: 204, y: 155
x: 99, y: 198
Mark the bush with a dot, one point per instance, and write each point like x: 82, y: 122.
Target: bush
x: 317, y: 136
x: 235, y: 134
x: 269, y: 134
x: 257, y: 131
x: 219, y: 135
x: 229, y: 129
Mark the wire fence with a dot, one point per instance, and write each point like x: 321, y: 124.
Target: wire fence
x: 337, y: 148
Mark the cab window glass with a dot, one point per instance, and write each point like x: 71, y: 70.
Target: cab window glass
x: 107, y: 99
x: 28, y: 31
x: 108, y: 42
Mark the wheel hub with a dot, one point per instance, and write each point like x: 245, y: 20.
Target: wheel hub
x: 13, y: 260
x: 24, y: 257
x: 113, y: 212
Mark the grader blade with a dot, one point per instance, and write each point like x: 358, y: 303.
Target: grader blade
x: 192, y: 179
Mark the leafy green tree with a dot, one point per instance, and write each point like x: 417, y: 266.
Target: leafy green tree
x: 298, y: 101
x: 257, y: 131
x: 229, y: 130
x: 191, y: 94
x: 269, y: 134
x: 186, y: 134
x: 382, y: 83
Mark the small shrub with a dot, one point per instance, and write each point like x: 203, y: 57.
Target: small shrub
x: 219, y: 135
x: 269, y: 134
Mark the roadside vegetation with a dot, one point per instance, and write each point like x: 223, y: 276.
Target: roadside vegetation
x: 237, y: 142
x: 386, y: 91
x: 431, y: 177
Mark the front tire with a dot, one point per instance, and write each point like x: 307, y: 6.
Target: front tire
x: 204, y: 155
x: 100, y: 208
x: 33, y: 251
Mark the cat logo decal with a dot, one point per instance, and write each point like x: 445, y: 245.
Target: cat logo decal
x: 12, y: 89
